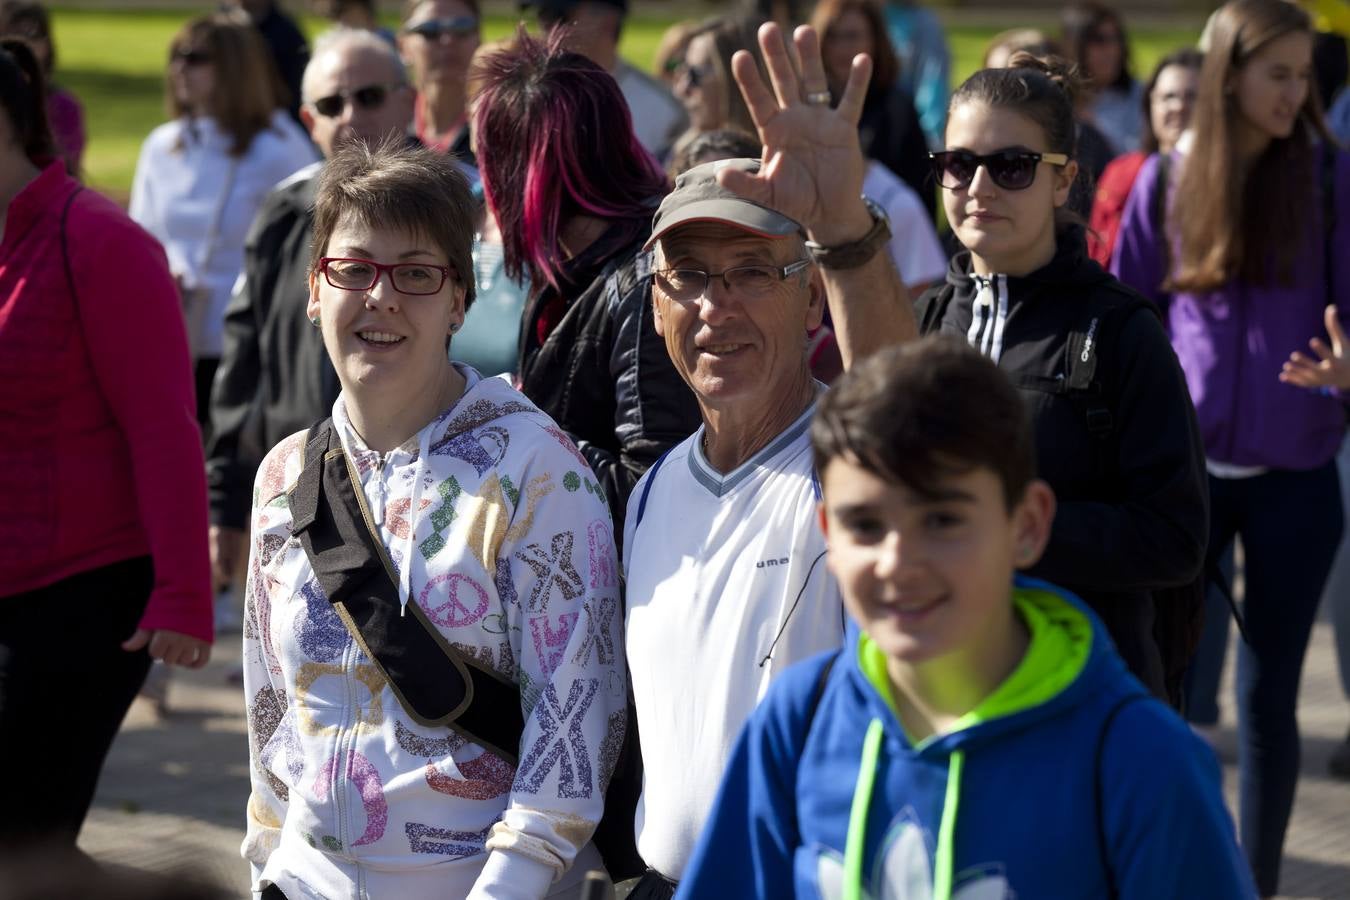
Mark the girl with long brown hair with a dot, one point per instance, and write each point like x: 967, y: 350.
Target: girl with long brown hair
x: 1246, y: 266
x: 202, y: 176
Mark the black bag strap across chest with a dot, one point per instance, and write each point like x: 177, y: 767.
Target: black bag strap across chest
x: 435, y: 683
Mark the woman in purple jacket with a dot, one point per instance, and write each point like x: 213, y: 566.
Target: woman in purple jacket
x: 1246, y: 271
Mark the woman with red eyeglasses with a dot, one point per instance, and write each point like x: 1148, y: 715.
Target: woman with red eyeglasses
x: 1115, y: 431
x: 203, y: 175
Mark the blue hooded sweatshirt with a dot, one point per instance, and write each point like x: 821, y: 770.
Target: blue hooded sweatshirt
x: 1067, y: 781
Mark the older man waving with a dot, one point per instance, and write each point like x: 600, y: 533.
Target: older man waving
x: 726, y: 583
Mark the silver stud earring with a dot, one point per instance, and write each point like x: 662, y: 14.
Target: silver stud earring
x: 454, y: 326
x: 314, y: 320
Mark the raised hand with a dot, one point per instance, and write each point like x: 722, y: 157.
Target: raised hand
x: 1331, y: 369
x: 813, y: 165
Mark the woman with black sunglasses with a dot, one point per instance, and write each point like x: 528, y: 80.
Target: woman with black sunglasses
x: 438, y: 42
x: 203, y: 175
x: 1115, y: 430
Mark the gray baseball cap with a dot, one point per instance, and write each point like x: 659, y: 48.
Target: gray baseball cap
x: 698, y: 197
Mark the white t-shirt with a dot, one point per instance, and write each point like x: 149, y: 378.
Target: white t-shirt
x: 915, y: 247
x: 186, y: 182
x: 722, y: 572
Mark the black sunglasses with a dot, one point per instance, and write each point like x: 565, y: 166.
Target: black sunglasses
x: 372, y: 96
x: 1012, y: 169
x: 432, y: 29
x: 190, y: 57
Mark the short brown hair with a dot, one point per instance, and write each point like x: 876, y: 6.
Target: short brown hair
x: 396, y: 186
x: 921, y: 411
x: 248, y: 89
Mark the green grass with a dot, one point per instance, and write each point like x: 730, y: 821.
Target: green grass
x: 114, y: 62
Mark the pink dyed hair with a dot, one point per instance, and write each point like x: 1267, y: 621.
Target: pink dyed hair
x: 555, y: 140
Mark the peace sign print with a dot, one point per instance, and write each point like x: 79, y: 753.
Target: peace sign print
x: 466, y: 601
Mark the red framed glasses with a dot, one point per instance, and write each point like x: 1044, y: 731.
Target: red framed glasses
x: 418, y: 279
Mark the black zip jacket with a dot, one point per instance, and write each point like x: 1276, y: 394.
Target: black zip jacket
x: 1132, y: 511
x: 275, y: 377
x: 603, y: 372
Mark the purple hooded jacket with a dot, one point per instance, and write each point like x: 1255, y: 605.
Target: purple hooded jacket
x: 1232, y: 342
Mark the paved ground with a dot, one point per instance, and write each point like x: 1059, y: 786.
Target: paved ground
x: 173, y: 791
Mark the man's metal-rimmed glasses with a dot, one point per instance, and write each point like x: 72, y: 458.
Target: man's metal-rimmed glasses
x: 690, y: 284
x: 417, y: 279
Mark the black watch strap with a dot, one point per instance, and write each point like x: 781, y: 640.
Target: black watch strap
x: 855, y: 253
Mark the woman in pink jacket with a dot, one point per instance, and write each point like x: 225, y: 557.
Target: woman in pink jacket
x: 103, y: 562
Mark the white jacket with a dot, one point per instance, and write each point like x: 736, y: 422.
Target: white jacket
x: 184, y: 173
x: 501, y: 534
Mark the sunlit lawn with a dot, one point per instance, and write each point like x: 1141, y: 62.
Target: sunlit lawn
x: 114, y: 62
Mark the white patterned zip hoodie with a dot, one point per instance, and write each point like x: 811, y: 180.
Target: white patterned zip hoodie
x: 500, y: 533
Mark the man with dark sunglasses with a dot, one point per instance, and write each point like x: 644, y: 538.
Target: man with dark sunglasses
x: 593, y: 30
x: 275, y: 376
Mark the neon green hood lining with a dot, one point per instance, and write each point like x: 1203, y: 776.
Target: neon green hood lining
x: 1057, y: 652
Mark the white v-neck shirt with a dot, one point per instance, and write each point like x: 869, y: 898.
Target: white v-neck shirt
x: 717, y: 568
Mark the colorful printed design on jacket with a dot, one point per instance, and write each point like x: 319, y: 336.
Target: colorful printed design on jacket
x: 514, y: 573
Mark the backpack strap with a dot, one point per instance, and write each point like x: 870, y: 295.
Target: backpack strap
x: 1097, y: 791
x: 647, y: 487
x: 65, y: 245
x: 1328, y: 191
x: 435, y: 683
x: 1157, y: 210
x: 932, y: 306
x: 1083, y: 383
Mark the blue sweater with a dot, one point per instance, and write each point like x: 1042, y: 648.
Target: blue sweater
x: 1004, y: 804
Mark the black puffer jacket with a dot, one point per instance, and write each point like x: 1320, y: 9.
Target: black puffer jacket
x: 602, y: 371
x: 275, y: 377
x: 1132, y: 513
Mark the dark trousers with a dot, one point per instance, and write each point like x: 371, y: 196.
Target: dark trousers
x: 65, y: 685
x: 1206, y: 670
x: 653, y: 886
x: 203, y: 374
x: 1290, y: 525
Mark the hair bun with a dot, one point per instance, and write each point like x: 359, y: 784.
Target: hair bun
x: 1059, y: 70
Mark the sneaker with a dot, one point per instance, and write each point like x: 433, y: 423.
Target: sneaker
x: 227, y: 614
x: 1339, y: 763
x: 155, y: 689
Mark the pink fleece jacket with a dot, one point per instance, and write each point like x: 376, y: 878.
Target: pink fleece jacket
x: 100, y: 456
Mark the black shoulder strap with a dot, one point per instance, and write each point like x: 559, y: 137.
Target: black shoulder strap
x: 436, y: 684
x: 1157, y: 204
x: 1157, y: 209
x: 647, y: 487
x: 932, y: 306
x: 1084, y: 344
x: 1328, y: 172
x: 1102, y: 846
x: 65, y: 245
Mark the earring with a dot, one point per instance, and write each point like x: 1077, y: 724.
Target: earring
x: 314, y: 320
x: 454, y: 326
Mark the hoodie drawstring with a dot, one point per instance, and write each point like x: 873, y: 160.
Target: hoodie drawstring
x: 943, y: 862
x: 855, y: 844
x: 857, y: 814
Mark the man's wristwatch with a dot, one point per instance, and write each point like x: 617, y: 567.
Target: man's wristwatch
x: 855, y: 253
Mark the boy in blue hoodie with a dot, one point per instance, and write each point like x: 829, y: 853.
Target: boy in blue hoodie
x: 978, y: 737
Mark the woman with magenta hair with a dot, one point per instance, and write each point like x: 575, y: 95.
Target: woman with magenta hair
x: 574, y: 192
